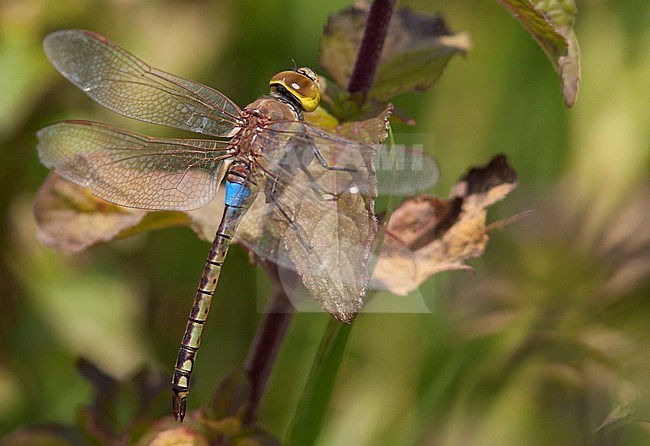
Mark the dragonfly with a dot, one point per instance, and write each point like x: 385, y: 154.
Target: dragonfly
x: 295, y: 194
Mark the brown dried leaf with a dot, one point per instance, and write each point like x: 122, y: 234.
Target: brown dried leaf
x: 440, y: 234
x: 71, y: 219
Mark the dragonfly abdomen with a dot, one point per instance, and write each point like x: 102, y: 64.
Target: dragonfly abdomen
x: 198, y: 316
x: 239, y: 196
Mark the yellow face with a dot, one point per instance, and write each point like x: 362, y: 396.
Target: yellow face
x: 301, y: 84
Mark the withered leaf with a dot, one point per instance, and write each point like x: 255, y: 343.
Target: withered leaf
x: 71, y: 219
x: 440, y: 234
x: 550, y: 23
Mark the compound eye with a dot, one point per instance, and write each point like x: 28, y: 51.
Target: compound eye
x: 301, y: 85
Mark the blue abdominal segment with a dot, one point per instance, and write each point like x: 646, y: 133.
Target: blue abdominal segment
x: 236, y: 194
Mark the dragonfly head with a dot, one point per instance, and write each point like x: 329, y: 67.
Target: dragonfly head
x: 300, y: 87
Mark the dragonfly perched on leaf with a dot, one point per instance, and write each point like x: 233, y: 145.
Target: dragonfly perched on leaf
x: 296, y: 195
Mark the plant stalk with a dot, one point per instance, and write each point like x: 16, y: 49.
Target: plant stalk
x: 268, y: 340
x: 365, y: 66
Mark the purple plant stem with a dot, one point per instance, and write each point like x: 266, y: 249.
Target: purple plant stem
x: 268, y: 340
x: 372, y: 43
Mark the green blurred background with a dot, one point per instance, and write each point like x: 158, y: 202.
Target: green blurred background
x: 539, y: 346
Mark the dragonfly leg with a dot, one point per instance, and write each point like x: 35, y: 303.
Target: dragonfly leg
x: 291, y: 222
x: 323, y: 163
x: 325, y: 195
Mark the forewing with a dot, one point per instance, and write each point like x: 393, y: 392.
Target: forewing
x: 123, y: 83
x: 134, y: 170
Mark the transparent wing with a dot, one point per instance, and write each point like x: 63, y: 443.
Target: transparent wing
x: 302, y: 161
x: 314, y: 212
x: 123, y: 83
x: 399, y: 170
x: 135, y: 170
x: 404, y: 171
x: 302, y: 167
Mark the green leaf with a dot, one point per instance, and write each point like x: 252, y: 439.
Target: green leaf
x: 315, y: 400
x: 550, y: 22
x: 416, y: 50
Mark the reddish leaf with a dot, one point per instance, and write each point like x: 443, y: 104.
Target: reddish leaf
x: 71, y: 219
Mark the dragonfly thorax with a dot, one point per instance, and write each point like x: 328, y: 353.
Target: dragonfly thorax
x: 300, y: 87
x: 257, y: 118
